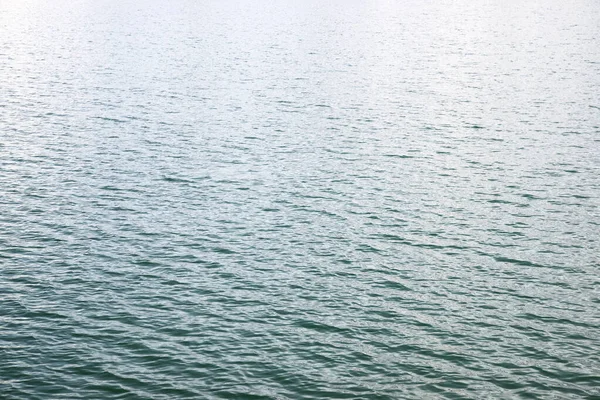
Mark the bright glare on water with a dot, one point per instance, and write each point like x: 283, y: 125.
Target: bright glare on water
x: 345, y: 199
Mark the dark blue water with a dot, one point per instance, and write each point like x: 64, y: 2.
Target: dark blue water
x: 299, y: 200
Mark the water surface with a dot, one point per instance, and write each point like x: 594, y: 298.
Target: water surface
x: 299, y: 200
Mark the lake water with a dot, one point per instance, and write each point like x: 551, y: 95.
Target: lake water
x: 252, y: 199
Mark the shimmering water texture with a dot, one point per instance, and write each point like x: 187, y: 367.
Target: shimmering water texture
x: 242, y: 199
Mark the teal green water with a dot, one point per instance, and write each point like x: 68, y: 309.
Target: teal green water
x: 299, y: 200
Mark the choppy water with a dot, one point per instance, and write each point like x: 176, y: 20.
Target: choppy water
x: 299, y: 200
